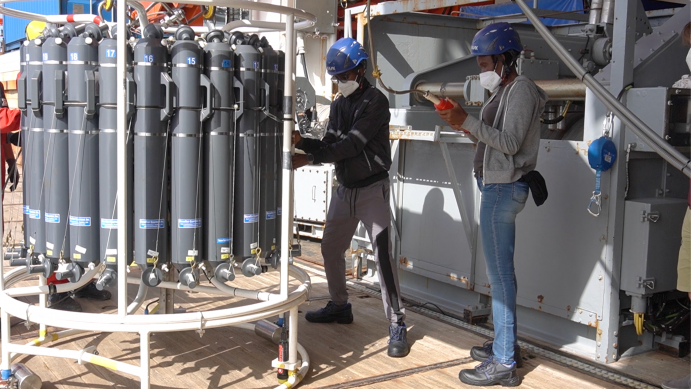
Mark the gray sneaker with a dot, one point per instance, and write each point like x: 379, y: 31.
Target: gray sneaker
x: 490, y: 372
x: 481, y: 353
x: 679, y: 383
x: 398, y: 341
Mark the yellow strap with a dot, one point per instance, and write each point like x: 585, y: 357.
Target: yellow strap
x: 105, y: 362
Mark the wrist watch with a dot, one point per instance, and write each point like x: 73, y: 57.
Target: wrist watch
x: 310, y: 158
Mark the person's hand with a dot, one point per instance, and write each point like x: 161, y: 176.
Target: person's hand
x: 454, y: 116
x: 12, y: 173
x: 296, y: 137
x: 299, y: 160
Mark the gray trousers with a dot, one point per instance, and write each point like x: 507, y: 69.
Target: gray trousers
x: 371, y: 206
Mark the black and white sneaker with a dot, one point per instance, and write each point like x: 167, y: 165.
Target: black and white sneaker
x: 490, y: 372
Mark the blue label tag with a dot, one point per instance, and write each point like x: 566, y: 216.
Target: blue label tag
x: 276, y: 67
x: 151, y: 224
x: 80, y: 221
x: 35, y: 213
x: 109, y: 223
x: 279, y: 211
x: 222, y: 240
x: 255, y: 64
x: 270, y: 215
x: 25, y: 209
x: 189, y: 223
x: 52, y: 217
x: 251, y: 218
x: 225, y: 63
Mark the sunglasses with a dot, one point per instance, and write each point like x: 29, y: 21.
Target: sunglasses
x: 343, y: 77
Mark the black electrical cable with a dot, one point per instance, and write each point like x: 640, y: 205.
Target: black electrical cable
x: 149, y: 304
x: 585, y: 49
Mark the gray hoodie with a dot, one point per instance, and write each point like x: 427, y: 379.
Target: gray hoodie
x: 514, y: 139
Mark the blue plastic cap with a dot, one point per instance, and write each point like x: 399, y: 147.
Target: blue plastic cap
x: 496, y: 38
x: 602, y: 153
x: 6, y: 374
x: 280, y: 322
x: 346, y: 54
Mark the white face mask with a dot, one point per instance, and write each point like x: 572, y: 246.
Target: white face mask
x: 491, y: 80
x: 347, y: 88
x: 688, y: 60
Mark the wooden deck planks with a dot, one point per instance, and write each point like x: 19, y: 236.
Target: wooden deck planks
x: 231, y: 357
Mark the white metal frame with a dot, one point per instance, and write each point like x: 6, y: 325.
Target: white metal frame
x: 270, y: 303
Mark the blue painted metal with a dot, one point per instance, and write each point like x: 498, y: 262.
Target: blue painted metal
x: 14, y: 28
x: 82, y: 7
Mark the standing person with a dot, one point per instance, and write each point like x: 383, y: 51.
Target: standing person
x: 508, y: 139
x: 9, y: 122
x: 357, y: 141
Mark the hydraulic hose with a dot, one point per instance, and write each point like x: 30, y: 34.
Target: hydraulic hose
x: 141, y: 13
x: 632, y: 122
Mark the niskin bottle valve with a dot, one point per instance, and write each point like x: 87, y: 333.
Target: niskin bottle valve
x: 439, y: 103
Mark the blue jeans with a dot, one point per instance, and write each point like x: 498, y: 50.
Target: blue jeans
x: 498, y: 209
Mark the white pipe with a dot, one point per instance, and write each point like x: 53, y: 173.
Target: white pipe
x: 138, y: 299
x: 78, y: 355
x: 55, y: 19
x: 158, y: 323
x: 220, y: 289
x: 248, y: 294
x: 260, y: 25
x: 121, y: 160
x: 141, y: 13
x: 293, y: 335
x: 5, y: 334
x: 61, y: 288
x: 47, y: 338
x: 348, y: 23
x: 144, y: 358
x: 287, y: 166
x: 42, y: 302
x: 257, y: 6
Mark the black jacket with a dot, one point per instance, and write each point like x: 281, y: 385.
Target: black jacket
x: 357, y: 138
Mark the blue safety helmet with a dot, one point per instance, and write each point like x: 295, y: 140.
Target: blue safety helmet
x: 346, y: 54
x: 496, y: 38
